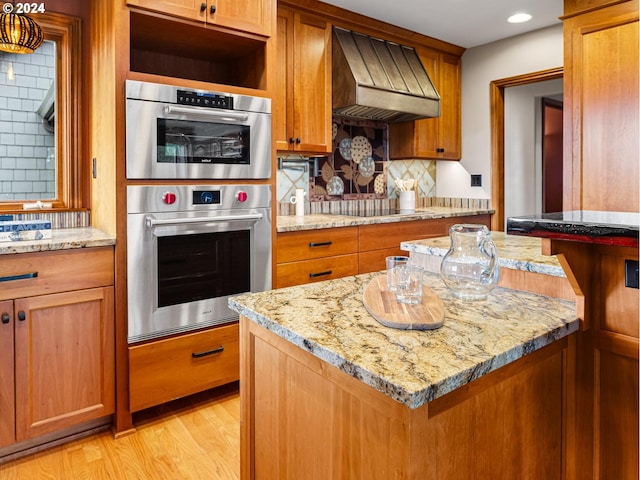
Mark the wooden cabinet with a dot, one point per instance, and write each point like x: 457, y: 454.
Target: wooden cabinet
x: 302, y: 103
x: 434, y: 138
x: 56, y: 341
x: 253, y: 16
x: 375, y: 242
x: 601, y: 155
x: 315, y: 255
x: 171, y: 368
x: 607, y: 371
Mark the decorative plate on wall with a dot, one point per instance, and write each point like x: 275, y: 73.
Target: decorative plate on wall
x: 355, y: 169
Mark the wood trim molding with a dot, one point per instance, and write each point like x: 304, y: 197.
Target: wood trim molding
x: 370, y: 26
x: 64, y: 30
x: 497, y: 134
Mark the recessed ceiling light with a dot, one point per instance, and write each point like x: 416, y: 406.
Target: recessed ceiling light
x: 519, y: 18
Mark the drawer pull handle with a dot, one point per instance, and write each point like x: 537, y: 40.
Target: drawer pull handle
x: 320, y: 274
x: 320, y: 244
x: 208, y: 352
x: 5, y: 318
x: 21, y: 276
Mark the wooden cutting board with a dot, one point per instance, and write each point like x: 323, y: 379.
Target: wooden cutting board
x: 383, y: 306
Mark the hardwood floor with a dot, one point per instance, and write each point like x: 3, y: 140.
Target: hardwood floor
x: 193, y: 438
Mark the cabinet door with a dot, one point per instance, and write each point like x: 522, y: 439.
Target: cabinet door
x: 449, y: 141
x: 180, y: 8
x: 311, y: 84
x: 425, y: 135
x: 253, y: 16
x: 64, y: 360
x: 283, y: 102
x: 601, y: 115
x: 7, y: 398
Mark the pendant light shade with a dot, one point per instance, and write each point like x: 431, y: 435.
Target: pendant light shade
x: 19, y: 33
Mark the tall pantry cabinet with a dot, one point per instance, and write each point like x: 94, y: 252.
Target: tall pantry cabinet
x: 601, y: 170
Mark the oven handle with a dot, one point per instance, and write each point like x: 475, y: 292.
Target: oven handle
x: 151, y: 222
x: 222, y: 114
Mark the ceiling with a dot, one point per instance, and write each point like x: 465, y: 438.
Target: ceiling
x: 467, y: 23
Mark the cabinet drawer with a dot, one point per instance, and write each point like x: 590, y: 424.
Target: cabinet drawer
x: 390, y: 235
x: 374, y: 260
x: 307, y: 245
x: 55, y: 272
x: 167, y: 369
x: 308, y: 271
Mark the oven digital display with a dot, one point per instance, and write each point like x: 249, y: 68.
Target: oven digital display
x: 206, y: 197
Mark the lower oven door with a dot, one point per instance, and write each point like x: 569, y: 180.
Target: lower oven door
x: 182, y: 268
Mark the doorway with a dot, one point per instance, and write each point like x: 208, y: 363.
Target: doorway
x: 552, y: 179
x: 497, y: 94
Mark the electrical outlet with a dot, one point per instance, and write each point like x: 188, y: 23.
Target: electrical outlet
x: 476, y: 180
x: 631, y: 273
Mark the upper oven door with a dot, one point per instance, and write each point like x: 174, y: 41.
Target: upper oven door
x: 167, y: 141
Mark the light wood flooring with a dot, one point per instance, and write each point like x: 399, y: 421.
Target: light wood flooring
x: 193, y: 438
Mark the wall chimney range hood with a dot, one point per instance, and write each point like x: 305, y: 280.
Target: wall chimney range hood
x: 380, y: 80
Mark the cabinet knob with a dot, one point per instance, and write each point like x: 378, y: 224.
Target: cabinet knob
x: 292, y: 140
x: 440, y: 150
x: 5, y: 318
x: 22, y: 316
x: 203, y: 6
x: 212, y: 9
x: 298, y: 140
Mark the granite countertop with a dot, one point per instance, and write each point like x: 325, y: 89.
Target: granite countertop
x: 514, y: 252
x: 61, y: 239
x: 413, y: 367
x: 587, y: 226
x: 291, y: 223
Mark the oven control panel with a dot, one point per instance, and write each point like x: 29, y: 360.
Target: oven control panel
x: 200, y: 99
x: 206, y: 197
x: 158, y: 199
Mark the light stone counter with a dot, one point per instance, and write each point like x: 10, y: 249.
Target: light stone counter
x: 61, y: 239
x: 514, y: 252
x: 291, y: 223
x: 328, y: 320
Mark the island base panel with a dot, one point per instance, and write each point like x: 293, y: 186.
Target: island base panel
x: 303, y: 418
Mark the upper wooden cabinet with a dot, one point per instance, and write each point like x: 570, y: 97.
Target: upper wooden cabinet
x: 433, y: 138
x: 601, y: 156
x: 253, y: 16
x: 302, y: 103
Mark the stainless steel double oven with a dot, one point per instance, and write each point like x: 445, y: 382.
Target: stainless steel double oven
x: 193, y: 242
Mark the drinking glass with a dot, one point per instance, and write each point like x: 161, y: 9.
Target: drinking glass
x: 393, y: 262
x: 409, y: 288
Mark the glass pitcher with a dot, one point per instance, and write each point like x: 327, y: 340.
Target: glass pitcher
x: 470, y: 267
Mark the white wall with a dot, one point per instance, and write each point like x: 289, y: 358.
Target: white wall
x: 523, y: 146
x: 530, y: 52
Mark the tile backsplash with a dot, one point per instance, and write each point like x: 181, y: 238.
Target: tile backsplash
x: 358, y: 176
x: 357, y: 169
x: 68, y: 219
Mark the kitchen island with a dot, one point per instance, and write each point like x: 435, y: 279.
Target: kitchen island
x: 328, y: 392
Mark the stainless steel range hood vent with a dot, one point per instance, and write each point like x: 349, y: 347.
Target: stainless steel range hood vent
x: 380, y: 80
